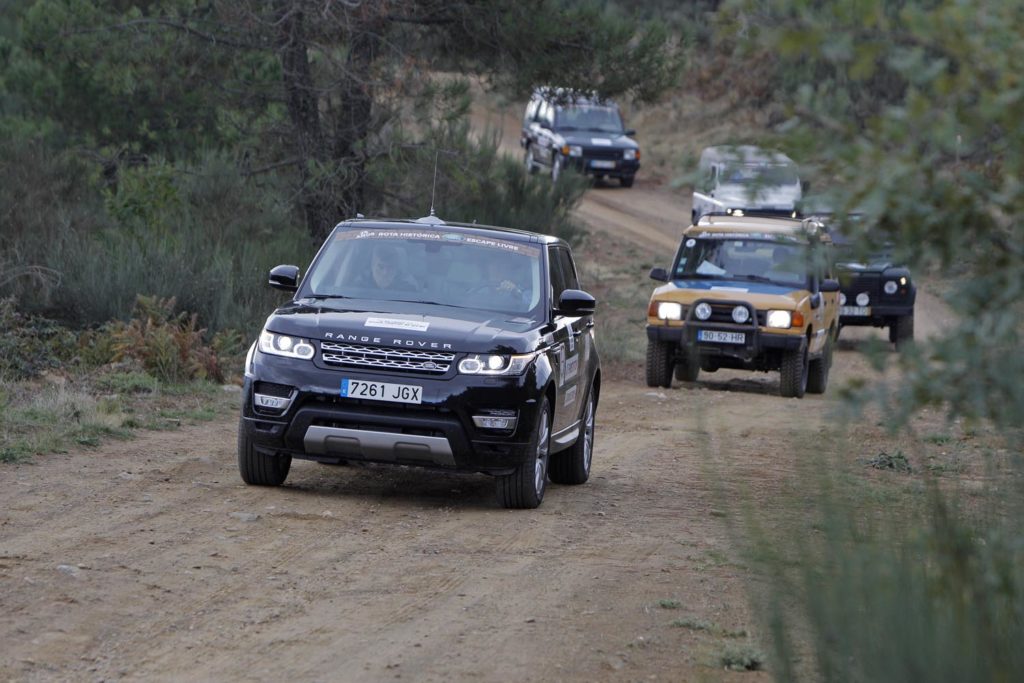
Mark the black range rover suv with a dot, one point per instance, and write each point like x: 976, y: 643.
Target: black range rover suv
x: 563, y: 129
x: 452, y: 346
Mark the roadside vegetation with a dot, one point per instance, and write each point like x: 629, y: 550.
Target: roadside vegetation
x: 906, y: 112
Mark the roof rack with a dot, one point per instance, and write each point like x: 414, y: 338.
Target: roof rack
x: 749, y: 213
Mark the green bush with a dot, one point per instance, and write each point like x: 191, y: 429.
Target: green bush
x: 929, y: 595
x: 30, y: 345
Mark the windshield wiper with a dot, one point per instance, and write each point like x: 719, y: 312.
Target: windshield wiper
x: 754, y: 278
x: 320, y: 297
x: 698, y: 276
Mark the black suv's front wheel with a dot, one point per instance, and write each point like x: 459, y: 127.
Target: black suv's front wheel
x: 524, y: 487
x: 258, y: 468
x: 572, y: 466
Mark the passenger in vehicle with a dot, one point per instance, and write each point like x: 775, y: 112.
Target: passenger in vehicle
x: 387, y: 270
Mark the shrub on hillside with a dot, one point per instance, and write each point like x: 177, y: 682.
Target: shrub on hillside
x: 169, y: 345
x: 30, y: 345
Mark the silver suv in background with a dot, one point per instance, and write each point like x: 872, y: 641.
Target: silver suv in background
x: 742, y: 179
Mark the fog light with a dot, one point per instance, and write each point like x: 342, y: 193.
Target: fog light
x: 842, y: 299
x: 890, y: 287
x: 496, y: 419
x: 741, y: 314
x: 269, y: 402
x: 702, y: 311
x: 863, y: 299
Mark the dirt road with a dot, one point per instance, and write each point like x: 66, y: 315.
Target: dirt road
x: 150, y: 560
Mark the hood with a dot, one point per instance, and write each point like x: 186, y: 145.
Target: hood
x: 783, y: 197
x: 595, y: 138
x: 762, y: 295
x: 874, y: 267
x: 414, y: 326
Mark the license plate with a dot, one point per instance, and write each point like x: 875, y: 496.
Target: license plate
x: 721, y: 337
x: 860, y: 311
x: 381, y: 391
x: 602, y: 163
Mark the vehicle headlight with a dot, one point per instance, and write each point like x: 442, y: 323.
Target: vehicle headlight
x: 842, y: 299
x: 283, y: 345
x: 495, y: 364
x: 572, y: 150
x: 890, y: 287
x: 702, y: 311
x: 631, y: 154
x: 779, y: 319
x: 741, y: 314
x: 670, y: 310
x: 863, y: 299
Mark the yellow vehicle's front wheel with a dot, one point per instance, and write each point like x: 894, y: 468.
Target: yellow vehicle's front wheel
x: 659, y: 363
x: 793, y: 374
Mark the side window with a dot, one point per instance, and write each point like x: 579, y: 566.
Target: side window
x: 557, y: 276
x: 531, y: 111
x: 568, y: 270
x: 547, y: 115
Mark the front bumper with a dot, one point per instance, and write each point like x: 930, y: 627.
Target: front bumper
x: 615, y: 168
x: 320, y: 424
x: 756, y: 340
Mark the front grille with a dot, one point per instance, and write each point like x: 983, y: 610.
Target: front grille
x: 863, y: 282
x: 602, y: 153
x: 381, y: 357
x: 722, y: 313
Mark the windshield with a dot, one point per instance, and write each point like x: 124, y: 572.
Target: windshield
x: 589, y: 117
x: 759, y: 174
x: 429, y: 266
x: 785, y: 263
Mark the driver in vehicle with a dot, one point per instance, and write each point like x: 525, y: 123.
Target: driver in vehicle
x: 504, y: 280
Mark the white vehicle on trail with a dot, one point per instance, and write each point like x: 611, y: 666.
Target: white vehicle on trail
x: 742, y: 179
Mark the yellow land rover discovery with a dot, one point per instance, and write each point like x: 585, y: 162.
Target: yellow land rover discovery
x: 749, y: 293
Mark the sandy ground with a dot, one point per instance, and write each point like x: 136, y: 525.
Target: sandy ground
x: 150, y: 560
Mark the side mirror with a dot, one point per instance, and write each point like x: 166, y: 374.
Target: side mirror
x: 284, y: 277
x: 816, y: 301
x: 829, y: 285
x: 576, y: 302
x: 629, y: 132
x: 659, y: 274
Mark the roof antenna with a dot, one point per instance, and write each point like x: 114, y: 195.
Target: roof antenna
x: 433, y: 190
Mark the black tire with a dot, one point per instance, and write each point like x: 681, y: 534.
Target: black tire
x: 556, y: 168
x: 529, y: 161
x: 258, y: 468
x: 524, y: 487
x: 687, y: 370
x: 793, y: 374
x: 817, y: 369
x: 626, y: 180
x: 572, y: 466
x: 901, y: 332
x: 659, y: 364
